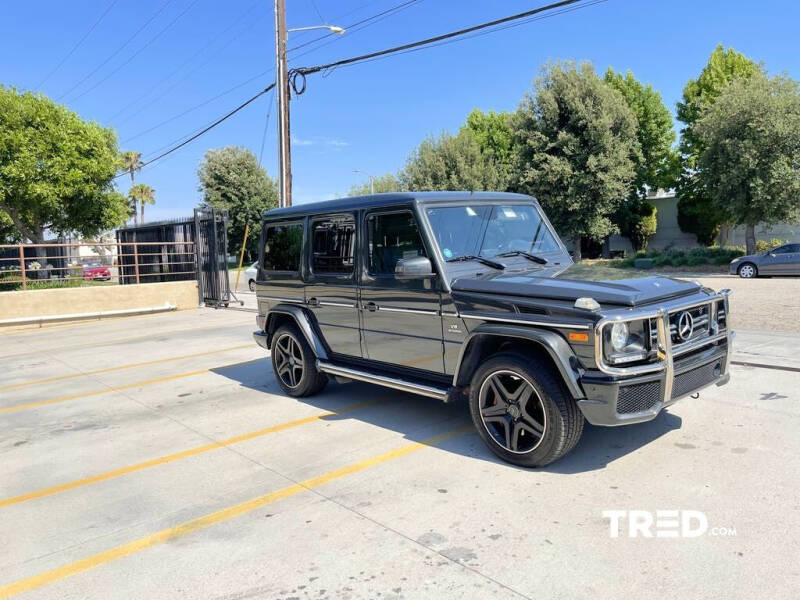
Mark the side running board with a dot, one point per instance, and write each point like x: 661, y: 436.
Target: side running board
x: 391, y: 382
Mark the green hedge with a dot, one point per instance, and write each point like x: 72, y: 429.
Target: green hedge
x: 713, y: 255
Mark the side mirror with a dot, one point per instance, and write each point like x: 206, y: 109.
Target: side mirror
x: 418, y: 267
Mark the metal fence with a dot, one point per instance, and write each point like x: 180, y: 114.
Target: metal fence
x: 75, y: 264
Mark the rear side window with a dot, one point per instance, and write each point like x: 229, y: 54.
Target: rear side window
x: 282, y: 247
x: 332, y: 245
x: 392, y: 236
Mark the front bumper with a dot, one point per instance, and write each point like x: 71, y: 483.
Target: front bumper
x: 620, y: 396
x: 261, y: 339
x: 733, y: 268
x: 622, y: 401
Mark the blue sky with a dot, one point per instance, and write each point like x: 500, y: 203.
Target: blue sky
x: 369, y: 116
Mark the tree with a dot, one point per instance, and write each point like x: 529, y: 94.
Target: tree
x: 8, y: 233
x: 697, y: 213
x: 492, y: 132
x: 749, y: 163
x: 450, y: 163
x: 141, y: 194
x: 231, y: 179
x: 131, y: 162
x: 383, y: 183
x: 658, y: 164
x: 576, y: 150
x: 56, y: 170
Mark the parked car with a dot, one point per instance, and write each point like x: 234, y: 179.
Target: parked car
x: 783, y: 260
x: 96, y: 272
x: 251, y: 274
x: 472, y: 295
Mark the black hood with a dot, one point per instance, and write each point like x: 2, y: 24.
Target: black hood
x: 577, y: 281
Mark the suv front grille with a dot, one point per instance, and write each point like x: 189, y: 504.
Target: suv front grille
x: 686, y: 382
x: 700, y: 322
x: 638, y: 397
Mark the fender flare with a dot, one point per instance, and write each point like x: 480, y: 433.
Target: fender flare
x: 556, y: 346
x: 303, y: 323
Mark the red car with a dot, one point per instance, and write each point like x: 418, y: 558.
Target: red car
x: 96, y: 273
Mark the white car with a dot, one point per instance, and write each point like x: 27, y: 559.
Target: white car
x: 251, y: 274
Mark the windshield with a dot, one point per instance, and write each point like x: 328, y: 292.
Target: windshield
x: 489, y: 230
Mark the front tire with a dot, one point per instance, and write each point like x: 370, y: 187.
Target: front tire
x: 522, y: 411
x: 294, y: 363
x: 748, y: 271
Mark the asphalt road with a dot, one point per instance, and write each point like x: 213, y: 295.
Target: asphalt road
x: 155, y: 457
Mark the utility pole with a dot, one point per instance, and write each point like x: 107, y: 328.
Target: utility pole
x: 282, y: 95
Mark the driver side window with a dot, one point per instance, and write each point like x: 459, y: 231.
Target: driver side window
x: 390, y: 237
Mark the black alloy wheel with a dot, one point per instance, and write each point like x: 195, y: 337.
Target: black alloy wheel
x: 288, y: 361
x: 512, y: 411
x: 295, y: 364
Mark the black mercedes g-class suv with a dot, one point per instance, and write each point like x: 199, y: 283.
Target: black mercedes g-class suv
x: 459, y: 294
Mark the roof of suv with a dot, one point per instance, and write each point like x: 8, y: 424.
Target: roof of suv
x: 389, y: 199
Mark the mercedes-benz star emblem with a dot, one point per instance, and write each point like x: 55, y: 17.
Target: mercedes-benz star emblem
x: 685, y: 326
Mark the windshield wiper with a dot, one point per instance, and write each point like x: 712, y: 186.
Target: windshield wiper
x: 480, y: 259
x: 528, y: 255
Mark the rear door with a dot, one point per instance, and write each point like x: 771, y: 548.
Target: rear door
x: 331, y: 290
x: 401, y: 320
x: 281, y: 265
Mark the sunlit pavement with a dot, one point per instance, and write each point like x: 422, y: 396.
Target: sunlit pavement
x: 156, y: 457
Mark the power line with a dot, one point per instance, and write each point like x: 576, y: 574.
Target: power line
x: 363, y: 22
x: 376, y: 17
x: 137, y: 53
x: 266, y: 127
x: 301, y: 73
x: 117, y: 51
x: 206, y: 129
x: 202, y: 49
x: 195, y: 107
x: 445, y: 36
x: 78, y: 44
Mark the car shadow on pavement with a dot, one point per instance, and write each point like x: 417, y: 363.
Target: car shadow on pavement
x: 418, y: 418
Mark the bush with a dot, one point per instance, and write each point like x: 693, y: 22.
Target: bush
x: 764, y: 245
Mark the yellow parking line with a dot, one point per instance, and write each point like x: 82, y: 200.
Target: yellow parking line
x: 111, y: 342
x: 107, y: 390
x: 122, y: 367
x: 90, y: 562
x: 179, y: 455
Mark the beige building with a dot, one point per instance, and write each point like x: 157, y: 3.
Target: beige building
x: 668, y: 233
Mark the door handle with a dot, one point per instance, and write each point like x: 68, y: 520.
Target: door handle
x: 313, y: 302
x: 371, y: 306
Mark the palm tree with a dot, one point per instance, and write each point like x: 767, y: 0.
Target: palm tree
x: 141, y: 194
x: 131, y: 162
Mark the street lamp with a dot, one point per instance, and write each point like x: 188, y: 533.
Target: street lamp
x: 282, y: 93
x: 371, y: 180
x: 332, y: 28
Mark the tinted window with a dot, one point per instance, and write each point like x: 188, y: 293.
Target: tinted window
x: 490, y: 230
x: 282, y: 247
x: 392, y: 237
x: 332, y: 244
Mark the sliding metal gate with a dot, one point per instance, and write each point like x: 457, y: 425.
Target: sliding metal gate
x: 212, y: 256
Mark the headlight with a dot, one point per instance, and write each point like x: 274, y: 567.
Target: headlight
x: 735, y: 260
x: 624, y: 342
x: 619, y: 336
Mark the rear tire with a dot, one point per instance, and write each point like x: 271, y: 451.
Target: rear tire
x: 748, y: 271
x: 252, y: 285
x: 523, y: 411
x: 294, y: 363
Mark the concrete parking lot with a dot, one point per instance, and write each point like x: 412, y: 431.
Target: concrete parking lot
x: 156, y: 457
